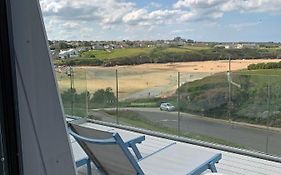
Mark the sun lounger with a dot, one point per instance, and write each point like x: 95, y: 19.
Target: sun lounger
x: 111, y: 155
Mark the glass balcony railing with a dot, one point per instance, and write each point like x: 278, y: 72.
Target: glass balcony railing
x: 239, y: 109
x: 73, y: 88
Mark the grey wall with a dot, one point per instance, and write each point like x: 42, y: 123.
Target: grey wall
x: 45, y: 145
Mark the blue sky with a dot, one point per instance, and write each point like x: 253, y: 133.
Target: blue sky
x: 201, y: 20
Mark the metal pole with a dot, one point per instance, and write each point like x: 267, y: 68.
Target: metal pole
x: 229, y: 89
x: 178, y: 103
x: 268, y: 114
x: 71, y: 76
x: 87, y: 97
x: 117, y: 98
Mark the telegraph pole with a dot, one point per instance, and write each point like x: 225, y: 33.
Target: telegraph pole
x: 70, y: 73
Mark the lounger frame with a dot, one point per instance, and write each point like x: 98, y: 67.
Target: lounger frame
x: 116, y: 139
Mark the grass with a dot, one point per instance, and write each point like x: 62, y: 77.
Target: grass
x: 135, y: 119
x: 197, y: 47
x: 144, y: 104
x: 134, y: 52
x: 80, y: 80
x: 262, y: 72
x: 81, y: 112
x: 133, y: 56
x: 257, y: 101
x: 116, y: 53
x: 177, y: 50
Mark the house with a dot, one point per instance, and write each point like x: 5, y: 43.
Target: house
x: 222, y: 46
x: 249, y: 46
x: 246, y: 46
x: 239, y: 46
x: 64, y: 54
x: 97, y: 46
x: 83, y: 48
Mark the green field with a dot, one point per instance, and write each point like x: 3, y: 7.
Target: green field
x: 116, y: 53
x: 133, y: 56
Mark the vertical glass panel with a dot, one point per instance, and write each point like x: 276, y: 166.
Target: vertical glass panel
x: 204, y: 106
x: 249, y: 109
x: 147, y: 97
x: 101, y: 84
x: 73, y: 89
x: 273, y: 142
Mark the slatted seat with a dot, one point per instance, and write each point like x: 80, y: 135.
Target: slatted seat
x: 111, y: 155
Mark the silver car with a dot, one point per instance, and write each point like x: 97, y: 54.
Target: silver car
x: 167, y: 107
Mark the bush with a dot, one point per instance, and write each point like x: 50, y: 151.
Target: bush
x: 264, y: 66
x: 103, y: 98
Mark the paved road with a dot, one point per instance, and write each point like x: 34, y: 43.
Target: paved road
x: 250, y: 137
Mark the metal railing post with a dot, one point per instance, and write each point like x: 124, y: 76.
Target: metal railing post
x: 178, y: 102
x: 269, y: 112
x: 117, y: 97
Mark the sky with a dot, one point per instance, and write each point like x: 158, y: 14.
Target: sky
x: 200, y: 20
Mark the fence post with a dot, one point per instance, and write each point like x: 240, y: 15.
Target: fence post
x: 178, y: 102
x: 229, y: 91
x: 87, y: 94
x: 117, y: 97
x: 269, y: 112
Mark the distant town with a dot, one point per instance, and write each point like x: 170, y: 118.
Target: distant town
x: 70, y: 49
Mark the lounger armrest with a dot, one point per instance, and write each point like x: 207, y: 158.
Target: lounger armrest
x: 132, y: 144
x: 210, y: 164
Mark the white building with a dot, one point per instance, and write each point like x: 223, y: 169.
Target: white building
x: 250, y: 46
x: 68, y: 53
x: 239, y: 46
x: 222, y: 46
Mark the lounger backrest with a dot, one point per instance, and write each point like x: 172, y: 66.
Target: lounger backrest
x: 113, y: 159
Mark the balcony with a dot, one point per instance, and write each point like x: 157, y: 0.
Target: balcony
x: 231, y: 163
x: 236, y: 113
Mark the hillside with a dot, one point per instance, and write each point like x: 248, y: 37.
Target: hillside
x: 134, y: 56
x: 257, y: 101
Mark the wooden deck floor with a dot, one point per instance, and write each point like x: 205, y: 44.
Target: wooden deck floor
x: 231, y: 164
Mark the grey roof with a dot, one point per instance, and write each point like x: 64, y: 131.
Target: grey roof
x: 231, y: 164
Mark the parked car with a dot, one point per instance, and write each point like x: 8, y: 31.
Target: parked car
x: 167, y: 107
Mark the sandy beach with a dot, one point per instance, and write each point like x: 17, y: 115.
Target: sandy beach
x: 148, y: 80
x: 195, y: 66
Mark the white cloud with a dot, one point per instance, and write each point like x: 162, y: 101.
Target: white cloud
x: 65, y: 17
x: 214, y: 9
x: 197, y: 3
x: 106, y: 13
x: 230, y: 5
x: 143, y: 17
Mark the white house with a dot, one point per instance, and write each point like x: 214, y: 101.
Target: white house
x: 239, y: 46
x: 250, y: 46
x: 222, y: 46
x: 68, y: 53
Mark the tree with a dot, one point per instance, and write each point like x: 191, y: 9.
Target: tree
x: 103, y: 97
